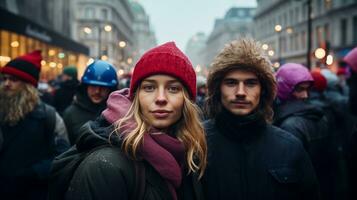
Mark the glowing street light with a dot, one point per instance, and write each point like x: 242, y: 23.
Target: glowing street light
x: 329, y: 60
x: 271, y: 53
x: 278, y: 28
x: 87, y: 30
x: 265, y: 47
x: 108, y: 28
x: 15, y: 44
x: 122, y: 44
x: 320, y: 53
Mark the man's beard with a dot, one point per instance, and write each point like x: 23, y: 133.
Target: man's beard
x: 15, y: 105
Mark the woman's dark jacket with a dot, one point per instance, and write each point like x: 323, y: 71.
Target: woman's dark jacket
x: 108, y: 174
x: 254, y: 160
x: 79, y: 112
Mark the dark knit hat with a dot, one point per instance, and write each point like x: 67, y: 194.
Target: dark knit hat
x: 71, y: 71
x: 165, y: 59
x: 320, y: 82
x: 26, y: 67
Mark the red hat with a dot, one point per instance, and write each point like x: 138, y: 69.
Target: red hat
x: 165, y: 59
x: 341, y: 71
x: 26, y: 67
x: 320, y: 82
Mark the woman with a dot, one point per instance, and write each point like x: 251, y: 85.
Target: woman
x: 156, y: 124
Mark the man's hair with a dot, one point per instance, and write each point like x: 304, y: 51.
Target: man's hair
x: 188, y: 129
x: 15, y: 106
x: 247, y: 55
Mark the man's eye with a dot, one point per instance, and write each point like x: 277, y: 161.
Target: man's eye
x: 251, y: 83
x: 230, y: 83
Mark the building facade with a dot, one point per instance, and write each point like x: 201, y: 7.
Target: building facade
x: 195, y: 50
x: 283, y: 28
x: 236, y: 23
x: 144, y: 35
x: 29, y: 25
x: 106, y: 27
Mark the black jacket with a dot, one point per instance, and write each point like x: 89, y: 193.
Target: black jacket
x: 63, y: 96
x: 254, y: 160
x: 108, y: 174
x: 79, y: 112
x: 26, y: 153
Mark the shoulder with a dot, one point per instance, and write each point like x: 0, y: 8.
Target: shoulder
x: 282, y: 137
x: 210, y: 128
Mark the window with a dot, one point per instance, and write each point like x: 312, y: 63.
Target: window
x: 303, y: 40
x: 354, y: 33
x: 343, y: 31
x: 89, y: 12
x: 104, y: 13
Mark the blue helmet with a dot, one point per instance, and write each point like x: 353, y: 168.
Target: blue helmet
x: 100, y: 73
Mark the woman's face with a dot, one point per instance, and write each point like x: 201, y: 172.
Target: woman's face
x: 161, y: 100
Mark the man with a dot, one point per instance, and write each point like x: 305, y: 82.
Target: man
x: 63, y: 96
x: 247, y: 157
x: 32, y: 132
x: 308, y: 122
x: 98, y: 81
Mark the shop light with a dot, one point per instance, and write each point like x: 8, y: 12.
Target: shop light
x: 278, y: 28
x: 329, y: 60
x: 51, y: 52
x: 5, y: 59
x: 265, y: 46
x: 52, y: 64
x: 15, y: 44
x: 61, y: 55
x: 43, y: 62
x: 122, y: 44
x: 60, y: 65
x: 289, y: 30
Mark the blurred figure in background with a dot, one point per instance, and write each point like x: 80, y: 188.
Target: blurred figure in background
x: 63, y: 96
x: 98, y: 81
x: 307, y: 122
x: 32, y: 132
x: 201, y: 91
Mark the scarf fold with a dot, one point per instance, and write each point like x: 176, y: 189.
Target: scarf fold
x: 240, y: 128
x: 163, y: 152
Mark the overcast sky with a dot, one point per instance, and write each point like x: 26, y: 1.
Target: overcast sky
x: 178, y: 20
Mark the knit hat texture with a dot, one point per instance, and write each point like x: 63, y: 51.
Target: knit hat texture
x: 26, y: 67
x: 165, y: 59
x: 71, y: 71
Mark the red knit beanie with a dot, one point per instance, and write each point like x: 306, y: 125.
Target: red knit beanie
x: 26, y: 67
x: 165, y: 59
x: 320, y: 82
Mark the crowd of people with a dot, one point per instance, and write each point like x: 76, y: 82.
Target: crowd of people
x: 243, y: 132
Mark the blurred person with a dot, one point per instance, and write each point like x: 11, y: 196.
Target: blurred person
x: 201, y: 91
x: 154, y: 124
x: 295, y: 114
x: 63, y: 96
x: 98, y: 81
x: 32, y: 132
x: 248, y: 158
x: 351, y: 60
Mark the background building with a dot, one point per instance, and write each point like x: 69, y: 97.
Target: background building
x: 283, y: 26
x: 144, y: 34
x: 237, y: 22
x: 106, y: 27
x: 195, y: 50
x: 29, y: 25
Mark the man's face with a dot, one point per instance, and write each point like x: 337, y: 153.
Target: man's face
x: 10, y: 83
x: 301, y: 91
x: 97, y: 94
x: 240, y: 92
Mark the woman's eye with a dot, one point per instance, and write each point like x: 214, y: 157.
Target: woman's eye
x: 148, y: 88
x: 174, y: 89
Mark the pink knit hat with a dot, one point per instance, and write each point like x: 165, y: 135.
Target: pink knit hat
x: 165, y: 59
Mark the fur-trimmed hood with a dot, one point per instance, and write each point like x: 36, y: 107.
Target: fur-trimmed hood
x: 244, y: 54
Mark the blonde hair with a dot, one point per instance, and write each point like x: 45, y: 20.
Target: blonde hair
x: 188, y: 129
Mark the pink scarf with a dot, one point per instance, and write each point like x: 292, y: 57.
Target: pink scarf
x: 163, y: 152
